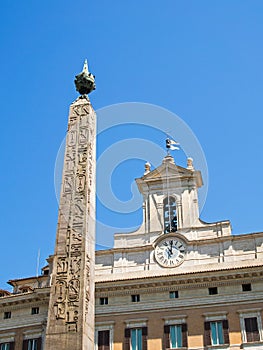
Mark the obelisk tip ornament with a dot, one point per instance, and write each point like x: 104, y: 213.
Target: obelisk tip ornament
x: 85, y: 81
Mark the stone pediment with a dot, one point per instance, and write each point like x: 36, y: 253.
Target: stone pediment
x: 172, y: 170
x: 168, y: 169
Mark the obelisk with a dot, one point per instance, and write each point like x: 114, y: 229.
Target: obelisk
x: 70, y: 324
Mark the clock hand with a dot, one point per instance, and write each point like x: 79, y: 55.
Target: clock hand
x: 169, y: 252
x: 171, y: 247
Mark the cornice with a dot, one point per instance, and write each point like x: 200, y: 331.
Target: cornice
x: 204, y: 241
x: 206, y: 302
x: 39, y: 297
x: 183, y: 281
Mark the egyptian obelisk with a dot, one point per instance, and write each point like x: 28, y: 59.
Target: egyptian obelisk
x: 70, y: 324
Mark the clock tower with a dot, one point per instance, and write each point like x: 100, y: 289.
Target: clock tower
x: 70, y: 323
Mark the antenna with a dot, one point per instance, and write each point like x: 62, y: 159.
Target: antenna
x: 38, y: 259
x: 171, y: 145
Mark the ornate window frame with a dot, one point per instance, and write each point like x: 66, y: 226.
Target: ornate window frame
x: 178, y: 320
x: 138, y: 323
x: 104, y: 326
x: 213, y: 317
x: 248, y: 313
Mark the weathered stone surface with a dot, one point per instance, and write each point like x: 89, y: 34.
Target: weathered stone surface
x: 71, y: 308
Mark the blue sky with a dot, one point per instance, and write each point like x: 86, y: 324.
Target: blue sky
x: 202, y: 60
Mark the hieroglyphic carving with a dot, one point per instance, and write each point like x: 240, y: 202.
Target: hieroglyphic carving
x: 68, y: 184
x: 75, y: 265
x: 73, y: 268
x: 62, y: 265
x: 60, y: 310
x: 72, y: 137
x: 69, y: 161
x: 61, y: 290
x: 73, y: 289
x: 83, y: 136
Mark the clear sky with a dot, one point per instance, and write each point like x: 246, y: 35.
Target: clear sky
x: 202, y: 60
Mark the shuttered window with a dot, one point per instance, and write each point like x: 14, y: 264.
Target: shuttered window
x: 217, y: 337
x: 7, y: 346
x: 251, y: 327
x: 104, y: 340
x: 216, y: 333
x: 135, y: 339
x: 175, y: 336
x: 32, y: 344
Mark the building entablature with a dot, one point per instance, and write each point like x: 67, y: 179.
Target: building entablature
x: 15, y: 301
x: 28, y: 284
x: 204, y: 302
x: 217, y: 275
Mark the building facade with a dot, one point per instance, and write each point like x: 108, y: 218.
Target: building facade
x: 175, y: 283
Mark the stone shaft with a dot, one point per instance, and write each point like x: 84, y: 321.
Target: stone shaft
x: 70, y: 322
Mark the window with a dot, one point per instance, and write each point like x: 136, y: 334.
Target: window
x: 175, y: 336
x: 104, y: 340
x: 7, y: 346
x: 35, y: 310
x: 246, y: 287
x: 135, y: 338
x: 174, y: 294
x: 7, y: 314
x: 104, y: 335
x: 251, y: 325
x: 135, y: 298
x: 217, y: 337
x: 32, y: 344
x: 251, y: 328
x: 216, y: 332
x: 104, y: 301
x: 212, y: 290
x: 169, y: 214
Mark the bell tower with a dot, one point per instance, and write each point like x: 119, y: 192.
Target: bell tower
x: 170, y: 196
x: 70, y: 323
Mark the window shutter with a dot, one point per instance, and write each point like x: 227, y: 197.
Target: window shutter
x: 226, y: 331
x: 25, y: 344
x: 144, y: 338
x: 207, y: 338
x: 100, y: 340
x: 104, y: 340
x: 166, y: 337
x: 107, y: 340
x: 251, y: 326
x: 184, y: 335
x: 12, y: 346
x: 39, y: 343
x: 127, y: 336
x: 255, y: 331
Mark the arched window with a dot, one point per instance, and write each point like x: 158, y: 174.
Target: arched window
x: 169, y: 214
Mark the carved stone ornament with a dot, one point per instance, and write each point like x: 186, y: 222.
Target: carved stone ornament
x: 85, y: 81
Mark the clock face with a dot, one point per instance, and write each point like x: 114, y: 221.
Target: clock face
x: 170, y: 252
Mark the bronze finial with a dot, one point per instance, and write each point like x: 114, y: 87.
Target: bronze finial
x: 85, y: 81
